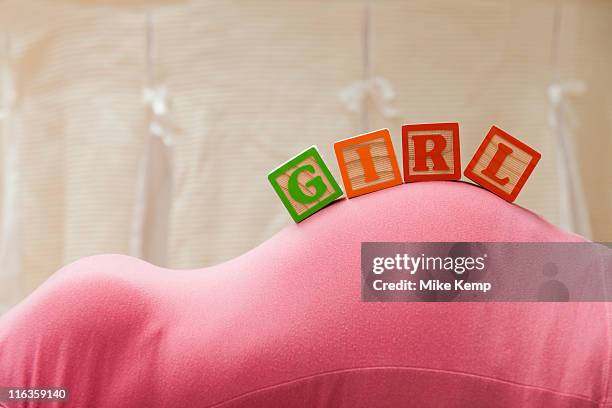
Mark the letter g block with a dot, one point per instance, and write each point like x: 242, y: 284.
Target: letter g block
x: 304, y: 184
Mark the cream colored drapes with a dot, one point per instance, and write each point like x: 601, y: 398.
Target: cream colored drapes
x: 148, y: 128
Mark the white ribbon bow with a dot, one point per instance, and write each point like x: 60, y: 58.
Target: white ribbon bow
x: 379, y: 89
x: 557, y: 93
x: 156, y: 98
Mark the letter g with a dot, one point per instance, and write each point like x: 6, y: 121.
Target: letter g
x: 296, y: 191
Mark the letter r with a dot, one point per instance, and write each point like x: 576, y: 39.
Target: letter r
x: 431, y: 151
x: 421, y: 153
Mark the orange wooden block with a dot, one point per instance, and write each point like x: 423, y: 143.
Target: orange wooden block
x: 367, y: 163
x: 502, y: 164
x: 431, y: 152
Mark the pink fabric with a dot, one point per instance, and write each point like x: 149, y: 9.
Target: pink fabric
x: 283, y: 325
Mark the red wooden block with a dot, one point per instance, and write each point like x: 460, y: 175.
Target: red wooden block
x: 502, y: 164
x: 431, y: 152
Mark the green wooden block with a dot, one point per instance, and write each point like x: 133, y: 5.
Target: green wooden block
x: 304, y: 184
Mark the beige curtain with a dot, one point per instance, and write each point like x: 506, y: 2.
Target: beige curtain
x: 148, y: 128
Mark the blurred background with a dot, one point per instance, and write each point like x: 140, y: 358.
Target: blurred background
x: 148, y: 127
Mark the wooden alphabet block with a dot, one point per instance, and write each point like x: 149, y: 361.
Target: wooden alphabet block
x: 502, y: 164
x: 431, y: 152
x: 367, y: 163
x: 304, y: 184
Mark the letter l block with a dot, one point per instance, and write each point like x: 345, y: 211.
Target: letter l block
x: 304, y: 184
x: 502, y: 164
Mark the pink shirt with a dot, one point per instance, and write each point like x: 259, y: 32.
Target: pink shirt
x: 284, y: 325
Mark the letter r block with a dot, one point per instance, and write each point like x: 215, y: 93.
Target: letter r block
x: 431, y: 152
x: 502, y: 164
x: 367, y: 163
x: 304, y: 184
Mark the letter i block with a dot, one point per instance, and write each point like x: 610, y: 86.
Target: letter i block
x: 304, y: 184
x: 431, y: 152
x: 502, y: 164
x: 367, y: 163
